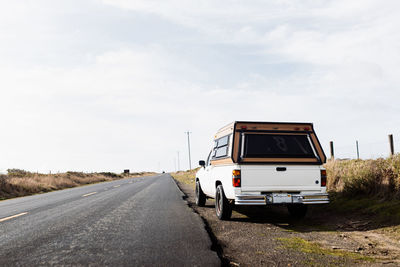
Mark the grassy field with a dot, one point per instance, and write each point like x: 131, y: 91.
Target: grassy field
x: 373, y: 178
x: 366, y: 186
x: 19, y: 183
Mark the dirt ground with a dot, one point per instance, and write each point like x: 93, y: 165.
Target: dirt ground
x: 267, y: 236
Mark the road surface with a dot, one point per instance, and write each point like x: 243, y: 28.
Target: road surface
x: 130, y: 222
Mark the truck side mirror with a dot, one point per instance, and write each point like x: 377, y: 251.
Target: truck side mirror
x: 202, y: 163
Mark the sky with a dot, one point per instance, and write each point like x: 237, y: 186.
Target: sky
x: 107, y: 85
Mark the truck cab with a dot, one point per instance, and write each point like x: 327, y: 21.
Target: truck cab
x: 263, y: 163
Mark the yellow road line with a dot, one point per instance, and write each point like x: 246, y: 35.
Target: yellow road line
x: 89, y: 194
x: 117, y: 185
x: 14, y: 216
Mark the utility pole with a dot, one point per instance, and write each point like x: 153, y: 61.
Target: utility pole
x: 358, y: 152
x: 190, y: 160
x: 332, y: 151
x: 179, y: 168
x: 391, y: 144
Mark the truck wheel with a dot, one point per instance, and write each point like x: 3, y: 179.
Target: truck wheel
x: 223, y: 208
x: 297, y: 211
x: 200, y: 196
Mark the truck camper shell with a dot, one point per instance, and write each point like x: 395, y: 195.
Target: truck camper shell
x: 231, y: 139
x: 263, y: 163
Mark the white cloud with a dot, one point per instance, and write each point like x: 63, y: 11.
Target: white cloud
x: 328, y: 35
x: 126, y: 99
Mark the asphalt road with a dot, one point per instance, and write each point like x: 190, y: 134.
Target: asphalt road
x: 131, y: 222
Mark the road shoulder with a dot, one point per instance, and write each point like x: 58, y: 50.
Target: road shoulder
x: 267, y: 236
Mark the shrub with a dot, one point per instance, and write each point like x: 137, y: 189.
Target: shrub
x: 378, y: 178
x: 18, y: 172
x: 79, y: 174
x: 110, y: 174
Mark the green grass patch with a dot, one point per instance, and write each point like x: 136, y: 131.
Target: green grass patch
x: 305, y: 246
x: 382, y: 210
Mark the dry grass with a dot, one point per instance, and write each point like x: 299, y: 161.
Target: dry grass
x: 378, y: 178
x: 370, y: 187
x: 186, y: 177
x: 21, y: 183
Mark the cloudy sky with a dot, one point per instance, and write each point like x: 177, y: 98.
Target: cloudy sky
x: 103, y: 85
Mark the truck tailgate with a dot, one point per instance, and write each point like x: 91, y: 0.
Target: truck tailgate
x: 275, y: 178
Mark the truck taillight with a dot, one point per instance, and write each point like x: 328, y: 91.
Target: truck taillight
x: 236, y: 178
x: 323, y: 177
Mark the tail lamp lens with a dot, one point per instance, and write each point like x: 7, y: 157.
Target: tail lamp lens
x: 236, y: 178
x: 323, y: 177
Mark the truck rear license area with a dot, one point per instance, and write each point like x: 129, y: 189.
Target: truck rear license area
x: 277, y: 198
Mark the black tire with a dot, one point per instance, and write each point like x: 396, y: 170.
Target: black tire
x: 223, y: 208
x: 297, y: 211
x: 200, y: 196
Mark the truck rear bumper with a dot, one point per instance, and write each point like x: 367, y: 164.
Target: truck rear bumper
x: 275, y: 198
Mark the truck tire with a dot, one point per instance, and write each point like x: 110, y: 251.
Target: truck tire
x: 297, y: 211
x: 223, y: 208
x: 200, y: 196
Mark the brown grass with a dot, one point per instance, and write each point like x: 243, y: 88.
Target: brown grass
x: 21, y: 183
x: 186, y: 177
x: 378, y: 178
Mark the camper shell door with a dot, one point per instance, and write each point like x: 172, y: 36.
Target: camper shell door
x: 276, y: 143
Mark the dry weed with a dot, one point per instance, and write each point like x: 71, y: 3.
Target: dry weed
x: 380, y: 177
x: 22, y: 183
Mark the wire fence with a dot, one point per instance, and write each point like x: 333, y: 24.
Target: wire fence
x: 366, y: 150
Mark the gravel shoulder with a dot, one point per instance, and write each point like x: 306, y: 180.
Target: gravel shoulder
x: 267, y: 236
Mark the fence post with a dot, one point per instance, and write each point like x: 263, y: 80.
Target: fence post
x: 332, y: 150
x: 358, y: 152
x: 391, y: 144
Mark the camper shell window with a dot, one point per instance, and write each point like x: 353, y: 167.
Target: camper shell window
x: 277, y: 146
x: 221, y: 146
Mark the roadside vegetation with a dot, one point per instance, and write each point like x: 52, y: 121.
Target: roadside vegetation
x: 366, y: 186
x: 186, y: 177
x: 19, y: 183
x: 308, y: 247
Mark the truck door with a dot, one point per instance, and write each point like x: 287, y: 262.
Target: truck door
x: 204, y: 174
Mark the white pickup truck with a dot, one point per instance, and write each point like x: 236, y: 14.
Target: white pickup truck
x: 263, y: 163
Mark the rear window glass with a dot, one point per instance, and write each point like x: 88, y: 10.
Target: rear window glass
x: 277, y: 146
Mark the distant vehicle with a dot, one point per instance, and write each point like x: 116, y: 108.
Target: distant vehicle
x: 163, y: 171
x: 263, y: 163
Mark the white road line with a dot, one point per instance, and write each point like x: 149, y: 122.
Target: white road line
x: 117, y: 185
x: 14, y: 216
x: 89, y: 194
